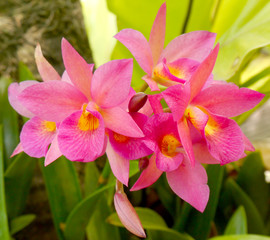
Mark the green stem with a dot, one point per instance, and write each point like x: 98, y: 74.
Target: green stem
x: 105, y: 174
x: 143, y: 87
x: 187, y: 17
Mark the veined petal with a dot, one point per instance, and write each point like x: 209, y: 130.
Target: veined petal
x: 17, y: 150
x: 203, y: 72
x: 202, y: 154
x: 14, y: 90
x: 190, y: 184
x: 186, y: 140
x: 125, y: 105
x: 155, y: 103
x: 36, y: 136
x: 111, y: 83
x: 53, y: 152
x: 137, y: 44
x: 195, y: 45
x: 228, y: 99
x: 52, y: 100
x: 45, y: 69
x: 224, y: 139
x: 168, y: 163
x: 157, y: 35
x: 148, y: 176
x: 119, y: 164
x: 77, y: 68
x: 177, y: 97
x: 81, y: 136
x: 151, y: 83
x: 197, y: 117
x: 118, y: 120
x: 128, y: 215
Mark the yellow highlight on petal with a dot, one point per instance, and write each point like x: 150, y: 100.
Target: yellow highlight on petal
x: 169, y: 145
x: 120, y: 138
x: 88, y: 122
x: 176, y: 72
x: 49, y: 126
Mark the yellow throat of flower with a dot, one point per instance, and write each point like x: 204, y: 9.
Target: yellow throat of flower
x: 49, y: 126
x: 169, y: 145
x: 87, y: 121
x: 120, y: 138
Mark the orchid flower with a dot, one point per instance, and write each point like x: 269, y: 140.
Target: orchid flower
x: 84, y: 105
x: 208, y: 111
x: 188, y: 182
x: 172, y: 65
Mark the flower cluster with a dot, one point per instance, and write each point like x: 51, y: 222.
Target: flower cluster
x: 83, y: 115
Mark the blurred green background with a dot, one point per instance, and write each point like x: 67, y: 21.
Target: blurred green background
x: 69, y: 200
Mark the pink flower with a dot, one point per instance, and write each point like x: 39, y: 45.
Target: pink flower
x: 188, y: 182
x: 207, y: 109
x: 84, y: 104
x: 172, y: 65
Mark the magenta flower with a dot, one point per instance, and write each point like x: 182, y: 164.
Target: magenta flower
x: 207, y: 109
x: 188, y: 182
x: 84, y: 104
x: 172, y: 65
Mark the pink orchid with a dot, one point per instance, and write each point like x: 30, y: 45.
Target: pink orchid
x: 188, y: 182
x: 172, y: 65
x: 84, y: 104
x: 207, y: 109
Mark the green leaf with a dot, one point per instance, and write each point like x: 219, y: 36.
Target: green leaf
x: 19, y: 223
x: 97, y: 17
x: 25, y: 73
x: 238, y: 223
x: 242, y: 38
x: 255, y: 222
x: 91, y: 178
x: 98, y: 228
x: 151, y: 221
x: 63, y: 190
x: 9, y: 120
x: 79, y: 217
x: 241, y: 237
x: 4, y: 230
x: 18, y: 179
x: 199, y: 224
x: 253, y: 182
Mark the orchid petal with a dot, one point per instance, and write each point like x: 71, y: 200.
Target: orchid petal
x: 197, y: 117
x: 190, y: 184
x: 177, y: 98
x: 151, y: 83
x: 77, y: 68
x: 147, y: 108
x: 45, y: 69
x: 82, y: 136
x: 155, y: 103
x: 36, y: 136
x: 166, y: 163
x: 111, y: 83
x: 248, y: 144
x: 66, y: 78
x: 195, y: 45
x: 119, y: 164
x: 137, y: 44
x: 227, y: 100
x: 202, y: 154
x: 148, y: 176
x: 128, y: 215
x: 17, y: 150
x: 52, y: 100
x: 203, y: 72
x: 118, y: 120
x: 157, y: 35
x: 14, y: 90
x: 53, y: 152
x: 125, y: 105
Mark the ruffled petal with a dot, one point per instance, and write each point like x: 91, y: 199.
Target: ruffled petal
x: 119, y: 164
x: 157, y: 35
x: 52, y: 100
x: 14, y: 90
x: 53, y: 152
x: 195, y: 45
x: 81, y: 136
x: 137, y: 44
x: 227, y: 100
x: 111, y: 83
x: 167, y: 163
x: 148, y: 176
x: 45, y: 69
x: 77, y: 68
x: 190, y: 184
x: 36, y: 136
x: 118, y: 120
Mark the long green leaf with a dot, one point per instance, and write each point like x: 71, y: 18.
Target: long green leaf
x: 238, y: 223
x: 18, y: 180
x: 91, y: 178
x: 255, y: 222
x: 63, y: 190
x: 19, y: 223
x: 4, y: 230
x: 81, y: 214
x: 241, y: 237
x: 199, y: 224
